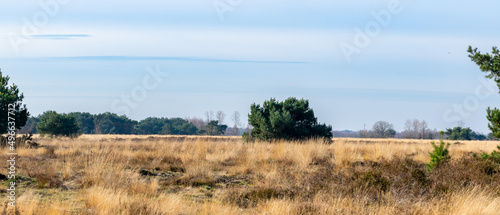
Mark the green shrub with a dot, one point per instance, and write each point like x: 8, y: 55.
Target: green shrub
x: 291, y: 119
x: 493, y: 156
x: 439, y: 155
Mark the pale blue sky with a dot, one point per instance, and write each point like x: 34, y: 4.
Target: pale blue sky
x: 84, y: 55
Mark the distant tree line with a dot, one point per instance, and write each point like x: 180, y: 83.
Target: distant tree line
x: 460, y: 133
x: 214, y: 123
x: 414, y: 129
x: 73, y: 124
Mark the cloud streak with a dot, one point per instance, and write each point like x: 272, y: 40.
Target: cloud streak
x: 156, y: 58
x: 58, y: 36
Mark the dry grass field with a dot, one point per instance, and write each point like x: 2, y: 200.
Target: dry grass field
x: 120, y: 174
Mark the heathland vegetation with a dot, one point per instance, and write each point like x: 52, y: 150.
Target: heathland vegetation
x: 127, y: 174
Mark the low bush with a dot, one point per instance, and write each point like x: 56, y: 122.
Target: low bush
x: 439, y: 155
x: 493, y: 156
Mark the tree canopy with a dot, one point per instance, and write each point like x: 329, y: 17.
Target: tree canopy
x: 109, y: 123
x: 179, y: 126
x: 494, y: 117
x: 11, y: 96
x: 155, y: 125
x: 489, y: 63
x: 112, y: 123
x: 291, y: 119
x: 85, y: 122
x: 55, y: 124
x: 460, y: 133
x: 151, y: 125
x: 214, y: 128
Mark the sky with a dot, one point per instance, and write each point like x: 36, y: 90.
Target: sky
x: 357, y: 62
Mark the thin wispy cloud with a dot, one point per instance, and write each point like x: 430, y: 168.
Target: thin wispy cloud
x: 155, y: 58
x: 58, y: 36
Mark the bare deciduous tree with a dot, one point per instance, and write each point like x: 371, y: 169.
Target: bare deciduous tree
x: 209, y: 116
x: 416, y: 129
x: 424, y: 129
x: 236, y: 122
x: 220, y: 117
x: 198, y: 122
x: 411, y: 129
x: 384, y: 129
